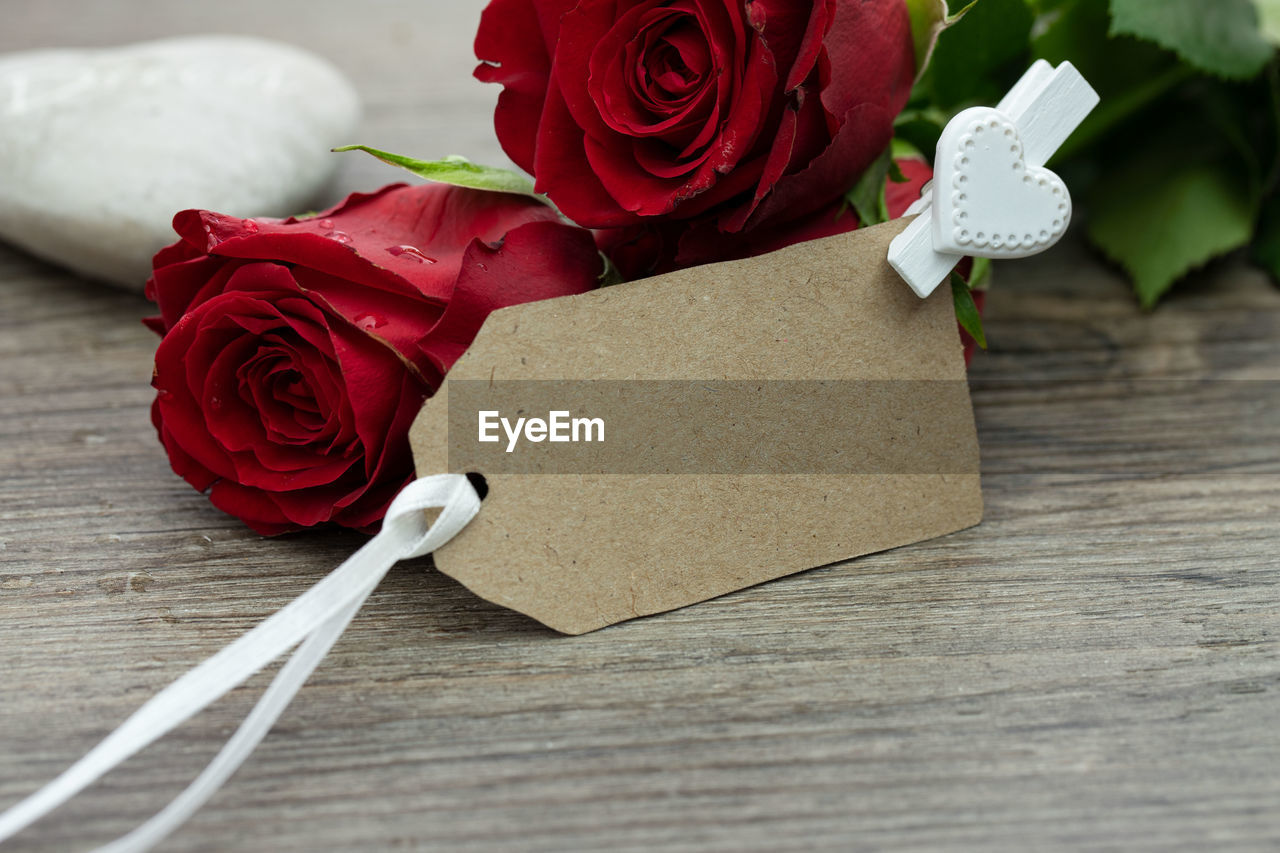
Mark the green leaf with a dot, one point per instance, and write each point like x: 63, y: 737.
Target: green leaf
x: 1162, y: 216
x: 458, y: 171
x: 868, y: 197
x: 980, y: 275
x: 1129, y: 75
x: 981, y: 54
x: 966, y: 311
x: 1220, y: 37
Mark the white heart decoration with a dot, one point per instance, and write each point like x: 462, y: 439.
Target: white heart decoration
x: 988, y: 201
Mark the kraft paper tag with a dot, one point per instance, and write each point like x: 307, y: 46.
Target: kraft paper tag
x: 717, y: 427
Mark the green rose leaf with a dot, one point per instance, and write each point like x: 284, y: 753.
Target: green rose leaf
x: 967, y: 311
x: 458, y: 171
x: 1164, y: 216
x: 868, y: 196
x: 1129, y: 75
x: 1221, y: 37
x: 980, y: 277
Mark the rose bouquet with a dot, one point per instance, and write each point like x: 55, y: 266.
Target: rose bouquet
x: 295, y: 353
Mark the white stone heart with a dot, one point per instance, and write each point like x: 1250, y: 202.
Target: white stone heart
x: 100, y: 148
x: 988, y: 201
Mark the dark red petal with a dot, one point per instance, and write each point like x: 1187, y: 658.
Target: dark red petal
x: 397, y: 322
x: 177, y: 253
x: 177, y: 407
x: 864, y: 133
x: 612, y: 74
x: 705, y: 243
x: 522, y: 65
x: 177, y: 287
x: 366, y: 513
x: 872, y: 57
x: 373, y: 377
x: 563, y: 172
x: 181, y: 462
x: 403, y: 239
x: 536, y: 261
x: 387, y: 475
x: 581, y: 30
x: 255, y: 508
x: 514, y: 56
x: 793, y: 32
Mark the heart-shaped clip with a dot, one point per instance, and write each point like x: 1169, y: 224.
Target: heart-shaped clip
x: 987, y: 200
x: 991, y: 196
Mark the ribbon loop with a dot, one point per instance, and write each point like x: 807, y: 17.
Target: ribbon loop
x: 315, y: 619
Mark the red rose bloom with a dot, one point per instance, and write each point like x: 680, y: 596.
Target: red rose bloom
x: 296, y: 353
x: 645, y: 250
x: 737, y: 112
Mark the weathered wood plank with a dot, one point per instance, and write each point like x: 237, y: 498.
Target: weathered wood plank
x: 1096, y: 666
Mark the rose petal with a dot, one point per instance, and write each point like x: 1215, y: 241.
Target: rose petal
x: 521, y: 64
x: 869, y: 41
x: 397, y: 322
x: 865, y: 132
x: 793, y: 32
x: 561, y: 163
x: 540, y: 260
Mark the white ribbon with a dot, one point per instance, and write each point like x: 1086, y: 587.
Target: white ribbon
x: 315, y: 619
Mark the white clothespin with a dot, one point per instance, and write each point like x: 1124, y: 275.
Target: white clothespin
x: 991, y: 196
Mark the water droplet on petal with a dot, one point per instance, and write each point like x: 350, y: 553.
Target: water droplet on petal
x: 369, y: 322
x: 215, y: 403
x: 339, y: 236
x: 483, y: 267
x: 326, y: 223
x: 411, y: 252
x: 249, y: 226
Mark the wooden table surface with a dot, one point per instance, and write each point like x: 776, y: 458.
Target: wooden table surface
x: 1097, y: 666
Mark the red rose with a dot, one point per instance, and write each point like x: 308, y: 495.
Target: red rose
x: 296, y: 353
x: 736, y: 111
x: 662, y: 247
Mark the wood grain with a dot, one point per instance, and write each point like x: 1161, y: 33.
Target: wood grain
x: 1095, y: 667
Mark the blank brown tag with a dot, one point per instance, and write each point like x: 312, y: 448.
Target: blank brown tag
x: 758, y: 418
